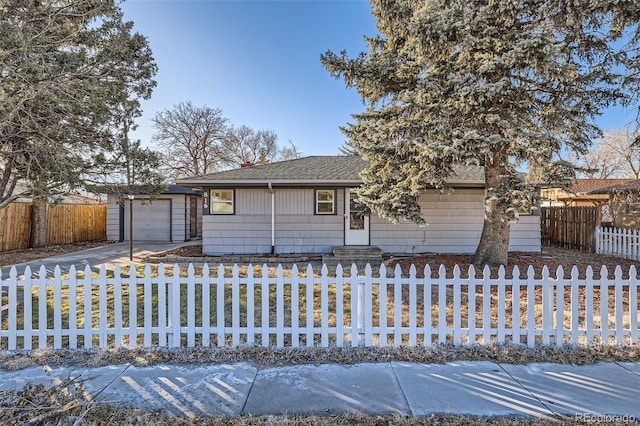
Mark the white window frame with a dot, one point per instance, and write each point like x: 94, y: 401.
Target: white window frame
x: 213, y: 202
x: 325, y: 202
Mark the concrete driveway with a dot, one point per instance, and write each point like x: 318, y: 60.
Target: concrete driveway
x: 108, y: 255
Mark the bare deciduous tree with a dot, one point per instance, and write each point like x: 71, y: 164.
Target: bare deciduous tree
x: 199, y: 140
x: 289, y: 152
x: 614, y: 155
x: 191, y: 139
x: 245, y: 145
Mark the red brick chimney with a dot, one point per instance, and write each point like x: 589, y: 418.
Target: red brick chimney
x: 247, y: 164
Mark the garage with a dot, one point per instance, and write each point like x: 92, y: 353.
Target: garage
x: 174, y: 215
x: 151, y: 220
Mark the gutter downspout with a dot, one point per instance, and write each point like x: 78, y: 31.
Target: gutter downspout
x: 273, y: 218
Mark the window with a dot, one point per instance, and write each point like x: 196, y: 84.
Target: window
x: 222, y: 201
x: 325, y: 201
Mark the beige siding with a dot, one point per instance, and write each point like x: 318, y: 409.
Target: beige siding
x: 525, y: 235
x: 253, y: 202
x: 454, y: 225
x: 297, y: 229
x: 294, y: 202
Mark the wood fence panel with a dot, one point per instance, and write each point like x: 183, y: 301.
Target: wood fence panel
x: 15, y: 226
x: 59, y: 226
x: 570, y: 227
x: 66, y: 224
x: 72, y: 223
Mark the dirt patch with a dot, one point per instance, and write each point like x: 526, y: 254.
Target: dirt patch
x: 551, y: 257
x: 14, y: 257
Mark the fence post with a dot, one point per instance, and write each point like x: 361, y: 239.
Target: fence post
x: 12, y: 322
x: 547, y: 306
x: 174, y: 306
x: 598, y: 233
x: 360, y: 298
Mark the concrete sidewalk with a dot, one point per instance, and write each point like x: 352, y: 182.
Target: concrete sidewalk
x: 542, y: 390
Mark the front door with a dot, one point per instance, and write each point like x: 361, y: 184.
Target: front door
x: 193, y: 217
x: 356, y: 222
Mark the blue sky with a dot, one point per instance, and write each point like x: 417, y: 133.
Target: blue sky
x: 259, y: 62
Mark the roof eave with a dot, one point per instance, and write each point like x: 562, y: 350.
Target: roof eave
x: 249, y: 183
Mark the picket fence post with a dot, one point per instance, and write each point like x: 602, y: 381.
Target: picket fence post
x: 633, y: 307
x: 360, y: 305
x: 340, y: 317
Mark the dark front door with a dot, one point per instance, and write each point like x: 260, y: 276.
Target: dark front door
x: 193, y: 217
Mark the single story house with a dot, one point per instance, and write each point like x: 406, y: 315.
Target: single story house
x: 304, y: 206
x: 624, y: 206
x: 583, y: 192
x: 175, y: 215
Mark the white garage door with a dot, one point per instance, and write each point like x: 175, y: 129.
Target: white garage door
x: 151, y: 220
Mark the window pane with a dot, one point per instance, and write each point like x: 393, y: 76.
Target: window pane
x: 324, y: 207
x: 221, y: 207
x: 325, y: 196
x: 222, y: 195
x: 356, y: 220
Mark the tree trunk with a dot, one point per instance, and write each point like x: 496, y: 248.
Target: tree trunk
x: 38, y: 222
x: 494, y: 241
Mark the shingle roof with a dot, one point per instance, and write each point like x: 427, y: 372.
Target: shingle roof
x: 336, y: 169
x: 177, y: 189
x: 170, y: 189
x: 583, y: 186
x: 631, y: 185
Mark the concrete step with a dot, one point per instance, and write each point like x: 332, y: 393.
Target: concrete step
x: 365, y: 252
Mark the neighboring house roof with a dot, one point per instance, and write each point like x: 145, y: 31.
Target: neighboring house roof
x: 630, y: 185
x: 89, y: 198
x: 584, y: 186
x: 171, y: 189
x: 336, y: 170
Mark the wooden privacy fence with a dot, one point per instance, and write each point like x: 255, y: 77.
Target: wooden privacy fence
x: 71, y: 223
x: 224, y: 308
x: 570, y: 227
x: 15, y: 226
x: 623, y: 243
x: 66, y: 223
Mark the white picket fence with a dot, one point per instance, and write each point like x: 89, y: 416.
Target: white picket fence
x: 618, y: 242
x: 162, y: 308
